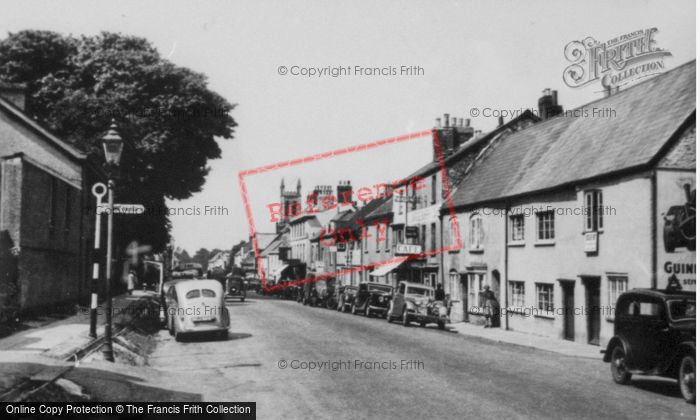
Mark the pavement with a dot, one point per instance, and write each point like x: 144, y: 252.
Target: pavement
x: 500, y: 335
x: 36, y: 352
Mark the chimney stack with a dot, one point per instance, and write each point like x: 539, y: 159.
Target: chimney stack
x: 447, y: 120
x: 344, y: 192
x: 548, y: 105
x: 438, y: 123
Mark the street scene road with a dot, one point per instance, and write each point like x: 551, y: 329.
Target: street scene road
x: 453, y: 374
x: 351, y: 210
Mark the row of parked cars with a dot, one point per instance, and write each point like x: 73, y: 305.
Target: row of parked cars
x: 409, y: 302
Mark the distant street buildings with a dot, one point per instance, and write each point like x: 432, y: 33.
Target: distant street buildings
x: 557, y: 213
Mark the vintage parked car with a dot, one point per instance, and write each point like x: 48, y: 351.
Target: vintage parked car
x: 654, y: 335
x: 235, y: 287
x: 416, y: 302
x: 347, y: 298
x: 329, y: 295
x: 196, y: 306
x: 372, y: 298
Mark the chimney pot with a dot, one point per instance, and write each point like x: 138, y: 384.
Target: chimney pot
x: 447, y: 120
x: 461, y: 122
x: 547, y: 92
x: 469, y: 122
x: 454, y: 121
x: 438, y: 123
x: 555, y: 98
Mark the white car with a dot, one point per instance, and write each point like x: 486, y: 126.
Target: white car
x: 196, y: 306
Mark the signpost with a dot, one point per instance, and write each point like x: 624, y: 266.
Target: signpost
x: 99, y: 190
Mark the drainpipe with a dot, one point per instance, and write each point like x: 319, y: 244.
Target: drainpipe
x: 654, y: 239
x: 505, y: 262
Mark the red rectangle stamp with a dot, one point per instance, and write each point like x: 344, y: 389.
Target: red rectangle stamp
x: 360, y: 215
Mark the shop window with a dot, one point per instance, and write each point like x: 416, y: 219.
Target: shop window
x: 545, y: 226
x: 475, y: 282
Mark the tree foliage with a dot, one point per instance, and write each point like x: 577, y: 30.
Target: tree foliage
x: 166, y: 114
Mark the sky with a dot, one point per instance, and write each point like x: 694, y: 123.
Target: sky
x: 473, y: 54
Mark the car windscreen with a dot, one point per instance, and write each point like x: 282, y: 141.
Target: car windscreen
x: 682, y: 309
x: 208, y: 293
x: 192, y: 294
x: 379, y: 288
x: 419, y: 291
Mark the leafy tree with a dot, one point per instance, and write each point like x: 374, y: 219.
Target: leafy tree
x: 202, y: 256
x: 166, y: 114
x: 183, y: 256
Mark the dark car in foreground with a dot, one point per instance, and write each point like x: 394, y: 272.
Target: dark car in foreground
x: 654, y: 335
x: 346, y: 299
x: 372, y: 298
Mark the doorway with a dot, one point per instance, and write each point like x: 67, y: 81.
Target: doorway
x: 567, y: 288
x: 496, y: 285
x: 592, y: 285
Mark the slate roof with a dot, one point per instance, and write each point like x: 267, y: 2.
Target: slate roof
x: 566, y: 149
x: 470, y: 145
x: 362, y: 213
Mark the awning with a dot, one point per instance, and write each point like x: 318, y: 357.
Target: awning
x: 388, y: 268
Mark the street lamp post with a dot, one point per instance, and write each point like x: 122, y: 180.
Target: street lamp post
x: 113, y: 146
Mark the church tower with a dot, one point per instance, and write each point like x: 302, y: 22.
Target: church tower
x: 288, y: 199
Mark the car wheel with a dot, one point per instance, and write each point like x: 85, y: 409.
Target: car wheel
x: 389, y: 318
x: 686, y: 379
x: 223, y: 335
x: 242, y: 299
x: 368, y: 313
x: 404, y: 318
x: 422, y: 324
x: 170, y: 326
x: 353, y: 309
x: 441, y: 324
x: 618, y: 366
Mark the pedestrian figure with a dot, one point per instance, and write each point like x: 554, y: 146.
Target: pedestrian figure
x: 131, y: 282
x: 492, y: 308
x: 439, y: 293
